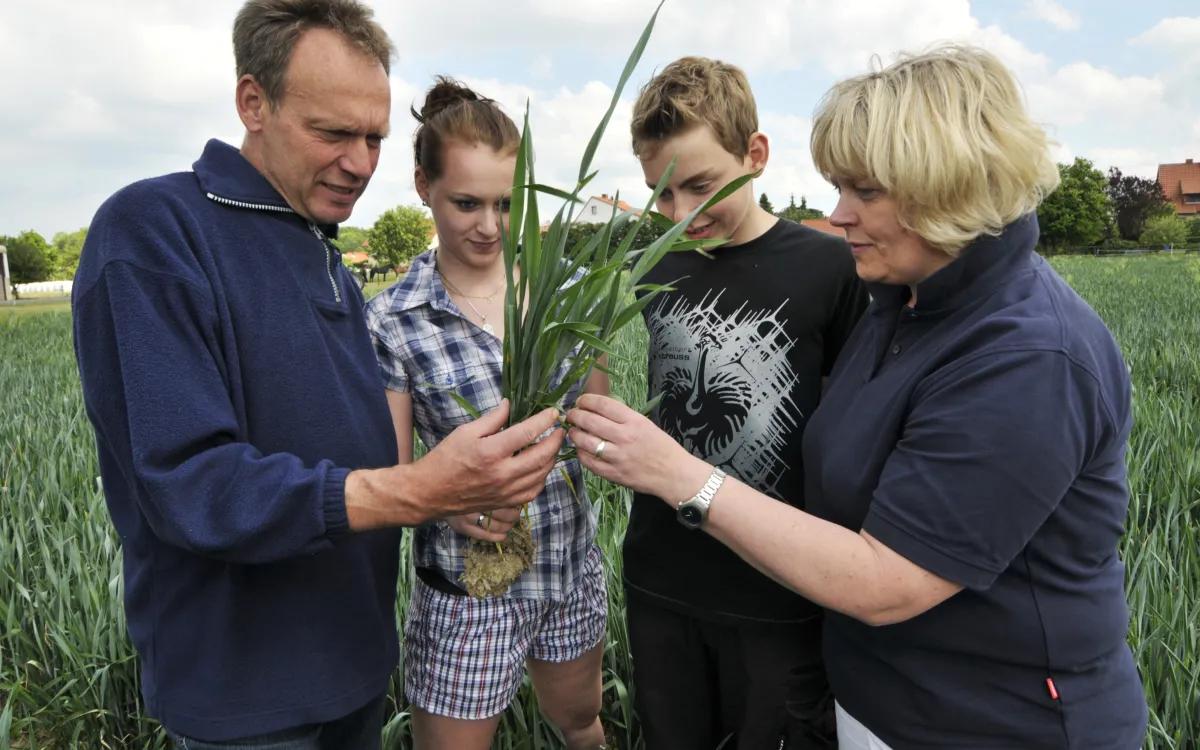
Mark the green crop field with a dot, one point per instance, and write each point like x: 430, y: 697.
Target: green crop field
x: 68, y: 676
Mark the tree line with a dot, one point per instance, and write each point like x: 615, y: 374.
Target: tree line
x: 1117, y: 210
x: 31, y: 258
x: 1088, y: 209
x: 397, y: 236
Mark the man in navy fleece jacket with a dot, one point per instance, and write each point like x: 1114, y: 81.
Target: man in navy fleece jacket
x: 245, y: 443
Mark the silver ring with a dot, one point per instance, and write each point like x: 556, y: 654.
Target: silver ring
x: 479, y: 521
x: 600, y: 446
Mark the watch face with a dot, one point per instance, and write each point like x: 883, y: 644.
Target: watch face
x: 690, y: 515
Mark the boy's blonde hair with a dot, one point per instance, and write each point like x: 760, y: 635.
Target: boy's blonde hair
x: 695, y: 91
x: 946, y: 135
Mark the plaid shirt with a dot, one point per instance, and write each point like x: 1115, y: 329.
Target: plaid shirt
x: 429, y: 349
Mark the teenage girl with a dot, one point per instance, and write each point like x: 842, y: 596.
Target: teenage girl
x: 438, y: 331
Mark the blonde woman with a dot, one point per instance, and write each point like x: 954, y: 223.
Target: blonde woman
x: 965, y: 477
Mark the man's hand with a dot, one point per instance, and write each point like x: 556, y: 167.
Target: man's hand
x: 477, y: 468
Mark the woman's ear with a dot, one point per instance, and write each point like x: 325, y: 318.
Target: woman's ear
x: 422, y: 185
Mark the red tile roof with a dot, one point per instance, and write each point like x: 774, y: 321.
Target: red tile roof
x: 823, y: 225
x: 1178, y: 180
x: 621, y: 205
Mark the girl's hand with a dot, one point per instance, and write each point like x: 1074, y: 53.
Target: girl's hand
x: 492, y: 526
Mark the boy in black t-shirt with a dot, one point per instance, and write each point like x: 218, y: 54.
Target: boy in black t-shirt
x: 738, y: 351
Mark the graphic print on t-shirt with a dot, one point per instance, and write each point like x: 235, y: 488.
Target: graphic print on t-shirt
x: 726, y: 385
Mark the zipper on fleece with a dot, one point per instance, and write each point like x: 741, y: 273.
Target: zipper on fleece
x: 337, y: 294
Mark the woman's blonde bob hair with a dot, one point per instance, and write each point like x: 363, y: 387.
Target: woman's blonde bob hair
x: 946, y: 134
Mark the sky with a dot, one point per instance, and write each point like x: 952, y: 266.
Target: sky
x: 99, y: 95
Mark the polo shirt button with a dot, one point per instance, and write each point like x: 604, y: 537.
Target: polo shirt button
x: 896, y: 348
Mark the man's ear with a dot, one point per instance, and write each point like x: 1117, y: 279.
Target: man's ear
x: 757, y: 152
x: 252, y: 103
x: 422, y: 184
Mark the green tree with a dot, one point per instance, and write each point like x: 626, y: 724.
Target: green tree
x: 1135, y: 200
x: 800, y: 213
x: 1078, y: 213
x: 66, y: 249
x: 765, y: 202
x: 351, y: 239
x: 1194, y: 230
x: 1165, y: 230
x: 28, y: 257
x: 647, y: 234
x: 399, y: 235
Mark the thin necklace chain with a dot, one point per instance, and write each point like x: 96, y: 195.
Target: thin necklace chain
x: 489, y: 297
x: 487, y: 327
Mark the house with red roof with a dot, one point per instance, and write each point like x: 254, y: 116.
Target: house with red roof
x: 823, y: 225
x: 1181, y: 184
x: 598, y: 209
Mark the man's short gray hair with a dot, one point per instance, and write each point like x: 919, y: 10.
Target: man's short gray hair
x: 265, y: 33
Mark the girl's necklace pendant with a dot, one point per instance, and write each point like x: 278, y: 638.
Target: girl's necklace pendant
x: 487, y: 328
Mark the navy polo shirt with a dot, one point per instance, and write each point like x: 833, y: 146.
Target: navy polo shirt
x: 981, y: 434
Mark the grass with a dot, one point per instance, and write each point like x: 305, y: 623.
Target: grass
x: 35, y: 307
x: 68, y: 677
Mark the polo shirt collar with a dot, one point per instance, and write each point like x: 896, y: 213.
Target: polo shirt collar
x: 223, y: 172
x: 980, y: 267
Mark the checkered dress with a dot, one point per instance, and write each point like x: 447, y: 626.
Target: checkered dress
x: 429, y: 349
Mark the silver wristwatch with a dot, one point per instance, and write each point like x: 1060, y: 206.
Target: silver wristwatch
x: 691, y: 513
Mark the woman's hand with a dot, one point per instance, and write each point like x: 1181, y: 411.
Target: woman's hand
x: 617, y: 443
x: 492, y: 526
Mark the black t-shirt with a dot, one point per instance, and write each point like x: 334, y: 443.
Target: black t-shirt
x: 737, y: 351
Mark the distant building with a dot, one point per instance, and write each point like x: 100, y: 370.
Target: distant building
x: 1181, y: 184
x: 597, y: 210
x: 823, y: 225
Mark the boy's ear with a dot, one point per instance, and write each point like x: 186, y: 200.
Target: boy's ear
x: 757, y: 152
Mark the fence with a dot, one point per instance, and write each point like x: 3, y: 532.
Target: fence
x: 44, y: 287
x: 1110, y: 250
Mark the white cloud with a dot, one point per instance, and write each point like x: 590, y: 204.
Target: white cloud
x: 1062, y: 153
x: 1131, y: 161
x: 106, y: 93
x: 1179, y: 32
x: 784, y: 35
x: 790, y: 171
x: 1053, y: 14
x: 79, y: 115
x: 542, y: 67
x: 1081, y: 92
